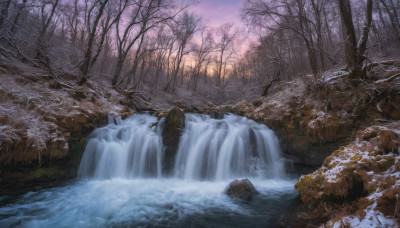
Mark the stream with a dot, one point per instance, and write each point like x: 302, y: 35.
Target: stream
x: 121, y: 182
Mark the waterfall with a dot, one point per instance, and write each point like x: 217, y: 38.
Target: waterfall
x: 122, y: 184
x: 124, y: 148
x: 218, y: 149
x: 209, y: 149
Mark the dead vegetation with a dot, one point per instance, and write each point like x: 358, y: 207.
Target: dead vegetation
x: 37, y: 115
x: 364, y: 172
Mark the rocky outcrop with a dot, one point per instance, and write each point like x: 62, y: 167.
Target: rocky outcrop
x: 307, y: 133
x: 242, y: 189
x: 365, y: 174
x: 171, y: 133
x: 312, y: 118
x: 44, y: 125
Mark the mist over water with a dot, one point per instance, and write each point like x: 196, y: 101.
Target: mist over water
x: 120, y: 181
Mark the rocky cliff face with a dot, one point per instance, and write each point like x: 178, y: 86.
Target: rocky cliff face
x: 45, y: 123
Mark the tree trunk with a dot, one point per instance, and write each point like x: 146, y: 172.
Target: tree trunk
x: 4, y: 12
x: 88, y: 55
x: 349, y: 35
x: 20, y: 8
x: 118, y: 69
x: 354, y: 54
x: 362, y: 43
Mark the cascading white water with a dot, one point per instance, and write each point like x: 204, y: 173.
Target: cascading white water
x: 113, y: 189
x: 211, y: 149
x: 124, y: 148
x: 218, y: 149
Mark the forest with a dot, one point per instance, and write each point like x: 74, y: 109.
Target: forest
x: 159, y: 108
x: 158, y: 45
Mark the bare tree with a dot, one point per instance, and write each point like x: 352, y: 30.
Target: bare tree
x: 354, y: 53
x: 292, y: 15
x: 227, y: 35
x: 108, y: 21
x: 46, y: 17
x: 164, y: 45
x: 202, y: 53
x: 184, y: 29
x: 144, y: 16
x: 392, y: 11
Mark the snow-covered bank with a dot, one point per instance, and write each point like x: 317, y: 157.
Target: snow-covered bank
x: 44, y: 122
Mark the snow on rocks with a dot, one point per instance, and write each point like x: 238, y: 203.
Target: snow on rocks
x: 37, y: 118
x: 366, y: 173
x: 371, y: 219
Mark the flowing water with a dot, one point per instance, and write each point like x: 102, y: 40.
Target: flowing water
x: 121, y: 184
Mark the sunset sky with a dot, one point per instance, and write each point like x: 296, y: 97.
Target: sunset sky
x: 218, y: 12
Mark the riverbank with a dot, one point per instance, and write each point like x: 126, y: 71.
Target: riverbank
x: 45, y: 123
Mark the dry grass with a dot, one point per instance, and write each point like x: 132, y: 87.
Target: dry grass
x: 35, y: 116
x: 389, y: 201
x: 367, y: 167
x: 389, y: 141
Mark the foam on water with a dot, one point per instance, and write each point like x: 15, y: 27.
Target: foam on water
x: 146, y: 202
x: 121, y: 182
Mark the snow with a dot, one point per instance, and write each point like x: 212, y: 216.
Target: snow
x: 329, y: 76
x: 33, y: 113
x: 359, y: 157
x: 372, y: 219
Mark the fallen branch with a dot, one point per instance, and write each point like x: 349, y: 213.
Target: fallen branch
x: 387, y: 80
x: 8, y: 51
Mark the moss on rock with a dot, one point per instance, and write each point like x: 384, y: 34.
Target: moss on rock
x: 48, y: 172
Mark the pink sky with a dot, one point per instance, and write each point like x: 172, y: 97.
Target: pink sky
x: 218, y: 12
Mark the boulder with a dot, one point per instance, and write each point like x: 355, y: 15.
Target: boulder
x: 242, y: 189
x: 171, y: 133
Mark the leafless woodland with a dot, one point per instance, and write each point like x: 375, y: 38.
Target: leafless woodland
x: 162, y: 48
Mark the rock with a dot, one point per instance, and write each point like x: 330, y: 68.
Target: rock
x: 178, y: 103
x: 242, y: 189
x: 209, y: 108
x: 243, y: 107
x: 217, y: 115
x: 257, y: 102
x: 363, y: 174
x: 191, y: 109
x: 172, y: 130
